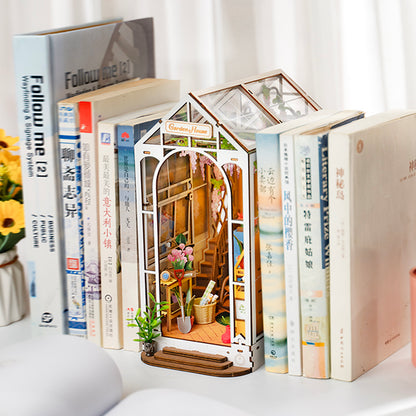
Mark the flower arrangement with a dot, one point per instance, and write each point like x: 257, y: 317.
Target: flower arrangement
x: 12, y: 222
x: 182, y: 256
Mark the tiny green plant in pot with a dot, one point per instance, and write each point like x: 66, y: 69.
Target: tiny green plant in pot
x: 147, y: 322
x: 189, y: 302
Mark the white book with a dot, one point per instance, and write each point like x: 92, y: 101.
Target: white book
x: 50, y: 66
x: 311, y: 184
x: 125, y: 97
x: 372, y: 182
x: 83, y: 285
x: 128, y: 133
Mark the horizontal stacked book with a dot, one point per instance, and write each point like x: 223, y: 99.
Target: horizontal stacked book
x: 345, y: 225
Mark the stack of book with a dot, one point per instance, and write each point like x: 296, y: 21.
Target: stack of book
x: 85, y: 95
x: 337, y: 221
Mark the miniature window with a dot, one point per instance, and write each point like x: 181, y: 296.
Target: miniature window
x: 171, y: 140
x: 235, y: 178
x: 238, y: 252
x: 197, y: 117
x: 239, y: 112
x: 174, y: 202
x: 240, y: 312
x: 151, y: 287
x: 225, y: 144
x: 280, y: 98
x: 149, y: 246
x: 181, y: 115
x: 154, y: 138
x: 147, y: 166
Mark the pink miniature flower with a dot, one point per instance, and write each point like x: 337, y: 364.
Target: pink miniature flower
x: 182, y: 246
x: 188, y: 250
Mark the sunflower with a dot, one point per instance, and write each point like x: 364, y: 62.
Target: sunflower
x: 8, y: 142
x: 14, y: 171
x: 11, y: 217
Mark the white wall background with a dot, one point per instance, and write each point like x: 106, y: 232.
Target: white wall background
x: 357, y: 54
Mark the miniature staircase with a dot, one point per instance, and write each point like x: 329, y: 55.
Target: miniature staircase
x: 195, y: 362
x: 207, y: 268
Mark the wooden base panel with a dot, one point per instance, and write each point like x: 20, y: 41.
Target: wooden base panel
x: 194, y: 362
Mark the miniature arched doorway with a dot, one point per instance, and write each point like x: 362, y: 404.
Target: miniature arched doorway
x: 194, y: 195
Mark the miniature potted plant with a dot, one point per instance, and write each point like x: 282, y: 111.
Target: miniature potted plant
x: 189, y: 302
x: 181, y: 258
x: 12, y: 230
x: 147, y: 324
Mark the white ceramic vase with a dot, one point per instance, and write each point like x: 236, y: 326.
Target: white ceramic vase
x: 12, y: 288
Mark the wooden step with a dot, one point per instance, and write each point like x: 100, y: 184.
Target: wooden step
x: 198, y: 362
x: 196, y: 365
x: 209, y: 255
x: 195, y: 354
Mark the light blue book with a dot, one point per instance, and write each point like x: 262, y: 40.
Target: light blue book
x: 272, y: 242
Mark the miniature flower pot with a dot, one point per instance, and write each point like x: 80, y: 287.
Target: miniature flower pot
x: 12, y: 288
x: 149, y: 348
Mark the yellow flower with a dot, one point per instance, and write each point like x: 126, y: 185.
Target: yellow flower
x: 7, y: 142
x: 14, y: 170
x: 6, y: 157
x: 12, y: 218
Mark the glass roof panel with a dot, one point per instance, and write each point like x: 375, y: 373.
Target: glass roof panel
x: 279, y: 97
x: 238, y: 111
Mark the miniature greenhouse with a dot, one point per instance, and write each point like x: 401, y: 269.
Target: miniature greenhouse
x: 197, y: 201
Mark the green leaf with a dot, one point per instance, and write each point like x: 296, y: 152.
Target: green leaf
x: 180, y: 239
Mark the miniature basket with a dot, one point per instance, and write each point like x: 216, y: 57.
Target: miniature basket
x: 204, y: 314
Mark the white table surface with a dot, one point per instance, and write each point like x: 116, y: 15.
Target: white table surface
x: 388, y: 389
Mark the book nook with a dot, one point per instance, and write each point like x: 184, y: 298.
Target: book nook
x: 196, y: 165
x: 212, y: 232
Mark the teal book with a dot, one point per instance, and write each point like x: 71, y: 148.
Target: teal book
x: 272, y: 242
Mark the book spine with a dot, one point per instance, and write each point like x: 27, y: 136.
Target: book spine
x: 340, y: 271
x: 37, y: 122
x: 271, y: 252
x: 70, y: 153
x: 311, y: 167
x: 128, y: 233
x: 109, y: 235
x: 90, y: 220
x: 290, y: 239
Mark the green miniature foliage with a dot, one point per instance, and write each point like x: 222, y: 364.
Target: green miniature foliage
x: 180, y: 239
x: 189, y: 301
x: 148, y: 320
